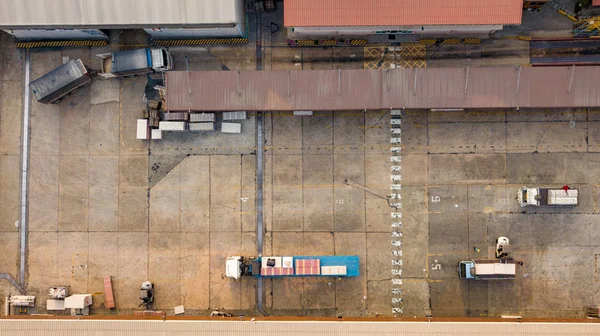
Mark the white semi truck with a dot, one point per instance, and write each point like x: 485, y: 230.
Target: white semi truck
x: 564, y: 196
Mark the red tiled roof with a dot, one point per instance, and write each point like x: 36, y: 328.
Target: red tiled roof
x: 595, y: 2
x: 331, y: 13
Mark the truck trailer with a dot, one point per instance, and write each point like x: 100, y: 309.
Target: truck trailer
x: 497, y: 269
x: 60, y: 82
x: 548, y: 196
x: 135, y: 62
x: 292, y: 266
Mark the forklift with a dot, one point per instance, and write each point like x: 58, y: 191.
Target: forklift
x: 503, y: 247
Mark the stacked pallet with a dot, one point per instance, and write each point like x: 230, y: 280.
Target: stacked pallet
x: 333, y: 270
x: 276, y: 271
x: 308, y: 266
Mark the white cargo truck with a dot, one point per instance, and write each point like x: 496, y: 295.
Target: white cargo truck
x: 564, y: 196
x: 500, y: 269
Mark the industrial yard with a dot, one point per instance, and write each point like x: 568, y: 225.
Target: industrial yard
x: 136, y: 190
x: 172, y: 210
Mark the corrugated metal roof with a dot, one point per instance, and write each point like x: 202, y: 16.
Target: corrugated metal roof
x: 330, y: 90
x: 111, y: 13
x: 329, y: 13
x: 289, y: 328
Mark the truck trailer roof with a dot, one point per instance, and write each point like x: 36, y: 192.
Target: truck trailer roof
x: 129, y: 60
x: 60, y: 81
x: 562, y: 196
x: 495, y: 269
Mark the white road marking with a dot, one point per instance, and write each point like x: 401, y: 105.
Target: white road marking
x: 395, y: 186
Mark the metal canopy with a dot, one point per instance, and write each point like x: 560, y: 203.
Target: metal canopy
x: 436, y: 88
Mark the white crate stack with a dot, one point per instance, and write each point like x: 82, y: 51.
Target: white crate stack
x: 229, y: 125
x: 202, y: 122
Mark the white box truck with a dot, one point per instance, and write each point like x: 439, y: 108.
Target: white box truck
x: 564, y: 196
x: 498, y: 269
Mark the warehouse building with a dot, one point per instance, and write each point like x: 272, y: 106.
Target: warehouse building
x: 32, y: 20
x: 422, y: 17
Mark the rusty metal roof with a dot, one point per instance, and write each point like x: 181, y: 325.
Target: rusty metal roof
x: 329, y: 90
x: 331, y: 13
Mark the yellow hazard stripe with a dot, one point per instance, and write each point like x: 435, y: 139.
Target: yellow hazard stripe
x: 306, y: 42
x: 472, y: 41
x: 428, y: 41
x: 238, y: 40
x: 451, y: 41
x: 358, y: 42
x: 46, y: 44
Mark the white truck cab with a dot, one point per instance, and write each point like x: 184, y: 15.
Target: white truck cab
x: 233, y: 267
x: 161, y: 60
